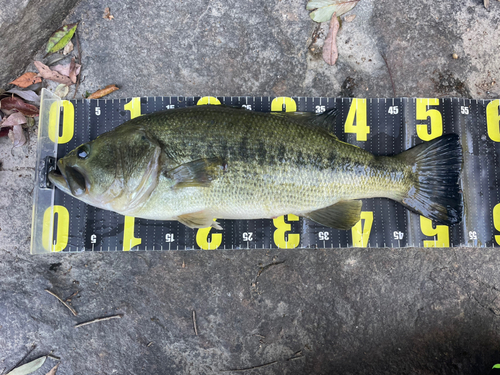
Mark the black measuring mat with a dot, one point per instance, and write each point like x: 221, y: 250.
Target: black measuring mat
x: 381, y: 126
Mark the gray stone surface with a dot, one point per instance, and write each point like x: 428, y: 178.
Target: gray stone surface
x: 25, y: 26
x: 342, y: 311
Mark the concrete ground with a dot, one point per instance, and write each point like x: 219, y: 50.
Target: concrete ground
x: 343, y: 311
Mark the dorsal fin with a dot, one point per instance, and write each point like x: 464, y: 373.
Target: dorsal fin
x: 324, y: 121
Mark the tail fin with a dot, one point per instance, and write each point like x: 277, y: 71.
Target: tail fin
x: 435, y: 192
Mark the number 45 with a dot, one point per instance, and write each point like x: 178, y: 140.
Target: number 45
x: 393, y: 110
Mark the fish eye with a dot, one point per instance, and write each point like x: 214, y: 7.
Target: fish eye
x: 83, y: 152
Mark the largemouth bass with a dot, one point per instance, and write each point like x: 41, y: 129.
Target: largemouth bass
x: 199, y: 163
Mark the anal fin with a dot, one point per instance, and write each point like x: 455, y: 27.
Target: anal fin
x: 341, y: 215
x: 200, y: 219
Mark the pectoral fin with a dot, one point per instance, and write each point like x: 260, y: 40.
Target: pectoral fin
x: 198, y: 173
x: 341, y: 215
x: 200, y: 219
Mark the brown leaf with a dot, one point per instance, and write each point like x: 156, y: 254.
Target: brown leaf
x: 16, y: 135
x: 14, y: 119
x: 103, y: 92
x: 69, y: 70
x: 107, y: 14
x: 53, y: 371
x: 330, y: 52
x: 52, y: 75
x: 27, y: 79
x: 14, y: 103
x: 72, y: 70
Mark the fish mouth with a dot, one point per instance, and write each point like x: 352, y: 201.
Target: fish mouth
x: 68, y: 179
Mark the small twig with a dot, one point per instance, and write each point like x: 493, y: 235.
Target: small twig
x: 297, y: 355
x: 119, y: 316
x: 22, y: 359
x: 194, y: 323
x: 67, y: 271
x: 71, y: 296
x: 79, y: 62
x: 250, y: 368
x: 390, y: 74
x: 64, y: 303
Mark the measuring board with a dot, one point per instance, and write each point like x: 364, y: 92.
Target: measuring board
x: 62, y: 223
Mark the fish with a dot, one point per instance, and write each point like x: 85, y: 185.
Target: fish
x: 202, y: 163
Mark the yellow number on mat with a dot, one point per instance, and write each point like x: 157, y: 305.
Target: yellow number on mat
x: 436, y: 126
x: 496, y: 221
x: 134, y: 106
x: 278, y: 103
x: 202, y: 239
x: 493, y: 120
x: 360, y: 232
x: 441, y: 233
x: 208, y: 100
x: 68, y: 125
x: 129, y: 241
x: 61, y: 227
x: 356, y: 120
x: 281, y: 228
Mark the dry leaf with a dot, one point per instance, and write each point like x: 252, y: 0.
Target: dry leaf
x: 72, y: 70
x: 52, y: 59
x: 16, y: 135
x: 28, y: 95
x: 349, y: 18
x: 29, y: 367
x: 27, y: 79
x: 68, y: 48
x: 53, y: 371
x: 61, y: 91
x: 323, y: 9
x: 69, y: 70
x: 330, y: 52
x: 13, y: 103
x: 14, y: 119
x: 103, y: 92
x: 52, y: 75
x: 107, y: 14
x: 60, y: 38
